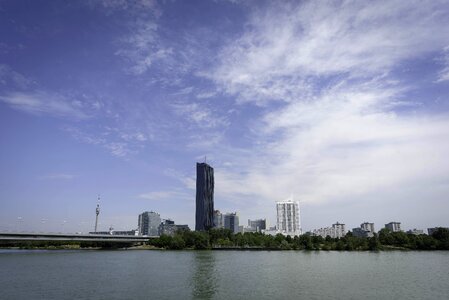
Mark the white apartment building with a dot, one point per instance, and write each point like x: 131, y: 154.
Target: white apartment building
x: 394, y: 226
x: 288, y: 219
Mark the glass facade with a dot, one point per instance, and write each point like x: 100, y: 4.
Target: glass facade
x: 149, y: 222
x: 204, y: 217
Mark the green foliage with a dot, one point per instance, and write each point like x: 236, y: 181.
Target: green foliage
x: 223, y: 238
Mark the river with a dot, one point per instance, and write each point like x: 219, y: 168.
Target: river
x: 140, y: 274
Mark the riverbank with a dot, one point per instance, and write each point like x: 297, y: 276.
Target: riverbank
x: 222, y: 239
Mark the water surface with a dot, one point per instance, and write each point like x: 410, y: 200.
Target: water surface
x: 223, y: 275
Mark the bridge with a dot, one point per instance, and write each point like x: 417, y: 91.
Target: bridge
x: 70, y: 237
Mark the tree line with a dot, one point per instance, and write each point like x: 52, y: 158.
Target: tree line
x: 225, y: 239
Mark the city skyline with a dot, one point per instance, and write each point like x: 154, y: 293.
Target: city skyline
x: 342, y: 104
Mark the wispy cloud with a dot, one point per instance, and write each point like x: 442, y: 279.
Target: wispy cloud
x: 9, y: 77
x: 290, y: 47
x: 43, y: 103
x: 115, y: 146
x: 200, y: 114
x: 444, y: 73
x: 164, y: 195
x: 343, y: 127
x: 141, y: 47
x: 188, y: 181
x: 58, y: 176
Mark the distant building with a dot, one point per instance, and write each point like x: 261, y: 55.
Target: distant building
x: 257, y: 225
x: 288, y: 219
x: 359, y: 232
x: 367, y: 227
x: 365, y: 230
x: 430, y: 231
x: 243, y: 229
x: 338, y: 230
x: 204, y: 216
x: 149, y: 222
x: 218, y: 219
x: 231, y: 221
x: 415, y: 231
x: 168, y: 227
x: 393, y: 226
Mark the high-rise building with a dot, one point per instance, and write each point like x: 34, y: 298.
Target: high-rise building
x: 257, y: 225
x: 393, y: 226
x: 288, y: 219
x: 149, y: 222
x: 204, y: 217
x: 367, y: 227
x: 218, y: 219
x: 231, y: 221
x: 365, y: 230
x: 339, y: 230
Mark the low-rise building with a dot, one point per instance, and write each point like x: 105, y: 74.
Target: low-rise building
x: 430, y: 231
x: 168, y: 227
x: 359, y: 232
x: 415, y: 231
x: 257, y: 225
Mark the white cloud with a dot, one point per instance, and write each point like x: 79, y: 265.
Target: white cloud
x: 344, y: 147
x: 345, y: 130
x: 287, y: 48
x: 44, y: 103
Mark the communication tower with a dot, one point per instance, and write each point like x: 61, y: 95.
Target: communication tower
x: 97, y: 212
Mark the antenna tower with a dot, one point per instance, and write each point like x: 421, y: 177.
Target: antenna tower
x: 97, y: 212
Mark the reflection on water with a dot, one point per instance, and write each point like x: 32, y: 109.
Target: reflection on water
x: 205, y: 276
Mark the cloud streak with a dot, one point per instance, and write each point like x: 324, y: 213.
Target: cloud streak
x: 58, y: 176
x: 43, y: 103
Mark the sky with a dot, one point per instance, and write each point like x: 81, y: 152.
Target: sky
x: 342, y: 104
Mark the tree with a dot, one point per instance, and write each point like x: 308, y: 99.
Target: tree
x: 373, y: 243
x: 177, y: 243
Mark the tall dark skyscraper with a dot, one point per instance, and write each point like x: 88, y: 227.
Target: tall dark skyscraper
x: 204, y: 218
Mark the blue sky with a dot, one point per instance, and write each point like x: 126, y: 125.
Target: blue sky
x: 343, y: 104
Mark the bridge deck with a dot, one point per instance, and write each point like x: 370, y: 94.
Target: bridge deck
x: 31, y: 236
